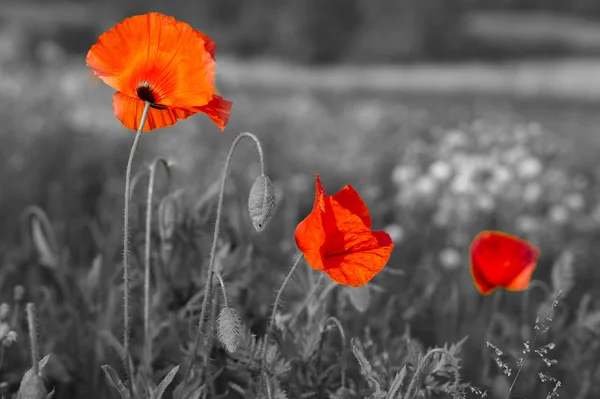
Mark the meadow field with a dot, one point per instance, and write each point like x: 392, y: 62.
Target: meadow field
x: 435, y: 168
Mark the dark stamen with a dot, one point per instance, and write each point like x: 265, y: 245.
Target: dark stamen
x: 145, y: 93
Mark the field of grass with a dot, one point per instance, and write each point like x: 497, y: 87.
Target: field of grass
x: 434, y: 169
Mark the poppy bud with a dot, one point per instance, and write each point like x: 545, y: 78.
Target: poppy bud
x: 32, y: 386
x: 261, y: 202
x: 167, y: 218
x: 228, y: 328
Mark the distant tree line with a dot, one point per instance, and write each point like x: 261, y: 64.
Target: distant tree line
x: 325, y: 31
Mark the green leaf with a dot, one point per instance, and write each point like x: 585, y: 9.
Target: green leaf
x: 162, y: 386
x: 116, y: 382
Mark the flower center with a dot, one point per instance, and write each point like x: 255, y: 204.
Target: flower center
x: 145, y: 93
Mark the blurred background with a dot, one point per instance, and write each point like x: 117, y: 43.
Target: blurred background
x: 448, y: 116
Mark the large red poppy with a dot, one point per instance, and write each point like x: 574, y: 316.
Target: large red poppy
x: 336, y: 238
x: 158, y: 59
x: 500, y: 260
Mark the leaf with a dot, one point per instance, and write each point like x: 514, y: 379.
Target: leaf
x: 360, y: 297
x: 46, y: 254
x: 366, y: 370
x: 398, y: 384
x: 116, y: 382
x: 162, y: 386
x: 44, y: 362
x: 191, y: 390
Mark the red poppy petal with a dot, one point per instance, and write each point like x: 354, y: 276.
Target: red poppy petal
x: 348, y: 198
x: 522, y: 281
x: 358, y: 266
x: 159, y: 51
x: 310, y: 234
x: 209, y: 44
x: 501, y: 259
x: 218, y: 109
x: 343, y: 229
x: 129, y: 111
x: 310, y: 238
x: 481, y: 284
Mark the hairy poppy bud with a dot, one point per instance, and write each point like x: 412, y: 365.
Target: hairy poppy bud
x: 228, y: 328
x: 261, y: 202
x: 32, y: 386
x: 167, y: 218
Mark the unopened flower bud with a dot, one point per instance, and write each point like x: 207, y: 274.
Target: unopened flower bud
x: 167, y: 217
x: 32, y: 386
x: 261, y: 202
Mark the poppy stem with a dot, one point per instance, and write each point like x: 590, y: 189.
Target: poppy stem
x: 33, y: 339
x: 147, y: 251
x: 492, y: 310
x: 277, y: 299
x: 223, y: 290
x: 213, y: 250
x: 126, y: 289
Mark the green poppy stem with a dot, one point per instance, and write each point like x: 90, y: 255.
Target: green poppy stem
x: 272, y: 321
x: 213, y: 250
x: 126, y: 289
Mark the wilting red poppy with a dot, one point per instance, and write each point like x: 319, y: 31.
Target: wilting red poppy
x: 336, y: 238
x: 157, y: 59
x: 500, y: 260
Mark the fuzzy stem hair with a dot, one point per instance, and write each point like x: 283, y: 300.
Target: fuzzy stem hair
x: 263, y: 358
x: 213, y: 250
x: 126, y: 288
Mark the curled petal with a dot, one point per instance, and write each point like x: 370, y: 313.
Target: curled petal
x: 209, y: 44
x: 129, y: 111
x: 348, y: 198
x: 218, y: 109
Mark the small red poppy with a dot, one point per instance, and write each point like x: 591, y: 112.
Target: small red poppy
x: 500, y: 260
x: 157, y: 59
x: 336, y: 238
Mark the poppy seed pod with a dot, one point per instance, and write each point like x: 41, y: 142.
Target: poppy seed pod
x: 261, y: 202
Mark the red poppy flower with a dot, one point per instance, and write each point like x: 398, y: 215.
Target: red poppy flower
x: 336, y: 238
x: 160, y: 60
x: 502, y: 260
